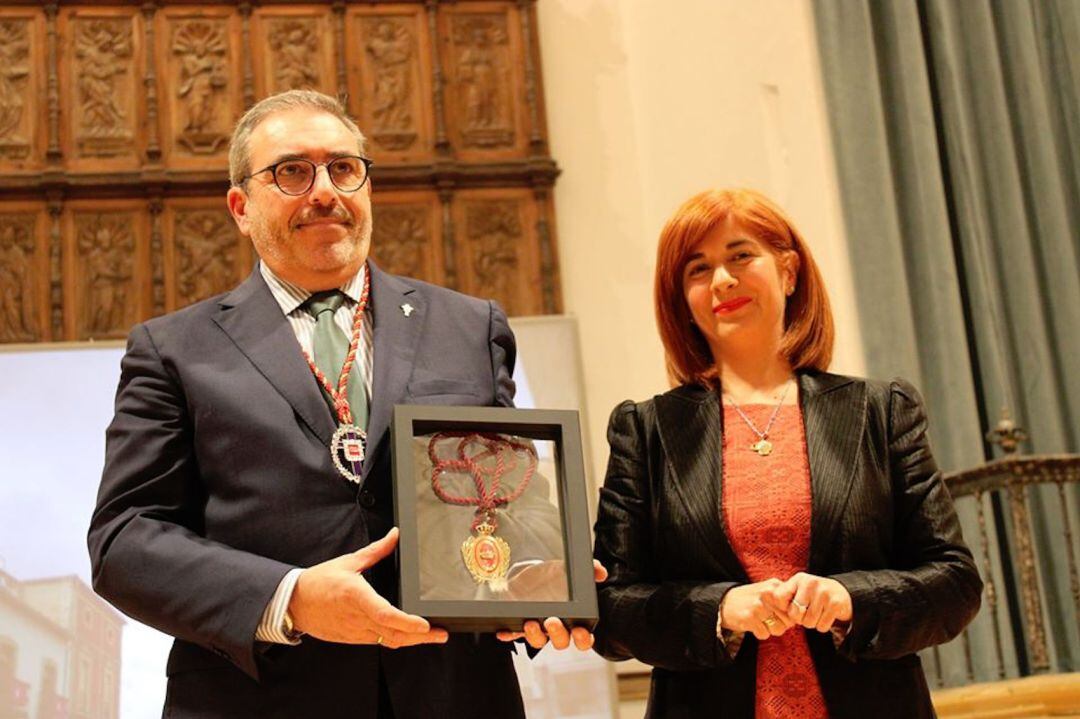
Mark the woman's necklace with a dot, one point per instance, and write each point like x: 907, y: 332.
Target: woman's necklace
x: 763, y: 446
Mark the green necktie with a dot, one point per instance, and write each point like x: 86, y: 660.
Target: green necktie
x: 330, y: 346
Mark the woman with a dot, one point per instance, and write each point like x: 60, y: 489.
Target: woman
x: 779, y: 539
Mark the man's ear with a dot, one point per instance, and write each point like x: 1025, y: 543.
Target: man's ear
x: 236, y: 200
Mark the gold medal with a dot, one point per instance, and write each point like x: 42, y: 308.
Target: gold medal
x: 487, y: 557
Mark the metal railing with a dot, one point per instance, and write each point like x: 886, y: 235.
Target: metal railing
x: 1007, y: 481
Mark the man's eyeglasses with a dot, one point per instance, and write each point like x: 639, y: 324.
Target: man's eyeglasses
x: 296, y: 176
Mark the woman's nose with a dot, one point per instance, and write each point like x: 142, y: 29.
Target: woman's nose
x: 722, y: 279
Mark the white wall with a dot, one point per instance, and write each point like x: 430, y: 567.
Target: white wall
x: 648, y: 103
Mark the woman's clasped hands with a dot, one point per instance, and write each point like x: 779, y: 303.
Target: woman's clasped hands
x: 769, y: 608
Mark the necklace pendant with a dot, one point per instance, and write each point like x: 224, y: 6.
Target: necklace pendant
x: 487, y: 557
x: 347, y: 449
x: 763, y: 447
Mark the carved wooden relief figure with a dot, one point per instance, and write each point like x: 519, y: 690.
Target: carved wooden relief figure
x: 296, y: 59
x: 18, y: 306
x: 494, y: 231
x: 389, y: 47
x: 106, y: 245
x: 483, y: 74
x: 201, y: 46
x: 400, y: 239
x: 205, y: 255
x: 14, y: 72
x: 103, y: 49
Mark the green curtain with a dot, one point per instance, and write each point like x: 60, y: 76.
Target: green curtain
x: 956, y: 129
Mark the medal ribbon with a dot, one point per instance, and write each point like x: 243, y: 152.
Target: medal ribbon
x: 487, y: 498
x: 340, y: 395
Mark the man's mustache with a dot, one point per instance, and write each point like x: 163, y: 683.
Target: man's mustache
x: 336, y: 213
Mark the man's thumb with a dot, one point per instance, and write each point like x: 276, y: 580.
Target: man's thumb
x: 376, y: 551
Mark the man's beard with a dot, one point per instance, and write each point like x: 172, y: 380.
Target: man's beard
x: 282, y: 243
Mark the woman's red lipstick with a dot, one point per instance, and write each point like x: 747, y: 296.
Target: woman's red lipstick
x: 730, y: 305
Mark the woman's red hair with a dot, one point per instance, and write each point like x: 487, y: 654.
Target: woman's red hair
x: 808, y: 324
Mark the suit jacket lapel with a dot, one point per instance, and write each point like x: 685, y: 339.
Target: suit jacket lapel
x: 834, y: 414
x: 252, y: 318
x: 691, y: 431
x: 395, y: 337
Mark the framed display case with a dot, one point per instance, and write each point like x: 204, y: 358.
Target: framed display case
x: 492, y: 508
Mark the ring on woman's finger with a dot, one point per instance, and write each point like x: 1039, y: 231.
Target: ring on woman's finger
x: 769, y: 621
x: 800, y: 605
x: 378, y: 640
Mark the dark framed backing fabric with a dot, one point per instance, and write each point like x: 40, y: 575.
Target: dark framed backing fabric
x: 493, y: 513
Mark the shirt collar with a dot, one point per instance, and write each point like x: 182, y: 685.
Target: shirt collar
x: 290, y: 296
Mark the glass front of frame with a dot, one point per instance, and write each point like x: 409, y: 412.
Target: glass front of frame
x: 489, y: 523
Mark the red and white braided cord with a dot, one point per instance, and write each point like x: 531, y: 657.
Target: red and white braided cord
x: 340, y: 395
x: 486, y: 499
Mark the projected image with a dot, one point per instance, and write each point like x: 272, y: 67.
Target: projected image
x: 64, y: 652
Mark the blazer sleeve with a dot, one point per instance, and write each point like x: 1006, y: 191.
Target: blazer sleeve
x: 503, y: 355
x: 667, y: 624
x: 934, y: 590
x: 147, y: 554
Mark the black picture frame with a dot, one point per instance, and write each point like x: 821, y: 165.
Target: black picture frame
x: 561, y: 427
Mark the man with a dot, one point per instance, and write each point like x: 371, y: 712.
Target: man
x: 222, y: 518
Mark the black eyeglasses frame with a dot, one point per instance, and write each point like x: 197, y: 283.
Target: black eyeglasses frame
x: 367, y: 162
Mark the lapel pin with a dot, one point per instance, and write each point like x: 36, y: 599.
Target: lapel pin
x: 407, y: 309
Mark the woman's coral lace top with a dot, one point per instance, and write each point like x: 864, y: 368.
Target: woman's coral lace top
x: 766, y: 507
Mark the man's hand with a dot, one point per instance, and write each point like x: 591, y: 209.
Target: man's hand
x: 333, y: 602
x: 554, y: 629
x: 749, y: 608
x: 812, y: 602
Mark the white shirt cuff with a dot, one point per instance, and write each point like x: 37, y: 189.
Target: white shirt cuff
x: 273, y: 627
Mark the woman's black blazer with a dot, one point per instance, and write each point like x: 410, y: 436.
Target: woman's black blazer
x: 882, y: 524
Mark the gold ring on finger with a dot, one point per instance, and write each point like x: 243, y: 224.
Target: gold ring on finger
x: 769, y: 621
x: 378, y: 640
x: 800, y: 605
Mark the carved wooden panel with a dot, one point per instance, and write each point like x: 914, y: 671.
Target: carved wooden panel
x: 24, y: 273
x: 482, y: 49
x: 389, y: 51
x: 293, y: 49
x: 406, y: 237
x: 205, y: 255
x: 101, y: 96
x: 22, y: 91
x: 106, y: 267
x: 115, y: 117
x: 498, y: 255
x: 199, y: 87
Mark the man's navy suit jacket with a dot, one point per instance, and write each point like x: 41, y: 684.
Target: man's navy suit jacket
x: 218, y: 480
